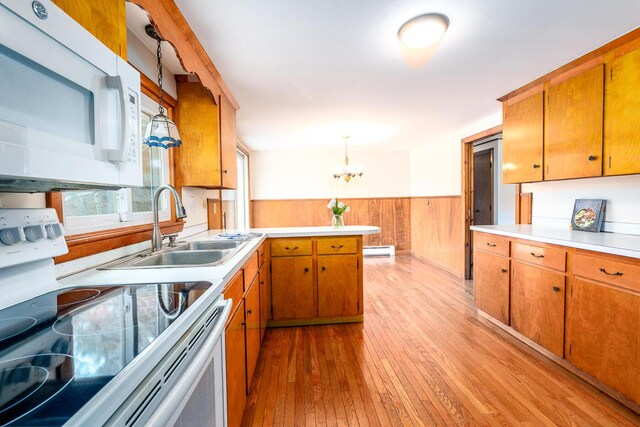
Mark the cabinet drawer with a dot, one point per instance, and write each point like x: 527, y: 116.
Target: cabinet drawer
x: 234, y: 290
x: 608, y: 271
x: 250, y: 270
x: 262, y: 254
x: 491, y: 243
x: 290, y: 247
x: 343, y: 245
x: 545, y: 257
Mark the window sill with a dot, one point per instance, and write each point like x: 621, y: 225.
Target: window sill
x: 82, y: 245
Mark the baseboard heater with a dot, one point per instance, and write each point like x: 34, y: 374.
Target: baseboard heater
x: 379, y: 251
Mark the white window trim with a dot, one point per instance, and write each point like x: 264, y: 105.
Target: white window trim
x: 125, y: 217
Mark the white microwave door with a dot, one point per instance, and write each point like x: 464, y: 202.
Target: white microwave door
x: 59, y: 120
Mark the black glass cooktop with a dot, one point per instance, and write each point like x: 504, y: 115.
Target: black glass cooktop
x: 59, y: 349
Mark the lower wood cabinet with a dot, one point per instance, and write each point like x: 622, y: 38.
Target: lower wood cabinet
x: 293, y: 293
x: 338, y: 285
x: 537, y: 305
x: 603, y: 334
x: 252, y: 329
x: 264, y: 283
x: 491, y: 285
x: 236, y: 366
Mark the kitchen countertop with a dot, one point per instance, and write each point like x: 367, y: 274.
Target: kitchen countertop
x: 218, y: 275
x: 611, y: 243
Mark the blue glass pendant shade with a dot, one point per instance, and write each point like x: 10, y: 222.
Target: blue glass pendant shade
x: 162, y: 132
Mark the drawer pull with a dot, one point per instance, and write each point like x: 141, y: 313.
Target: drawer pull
x: 491, y: 245
x: 262, y: 282
x: 536, y: 166
x: 533, y: 254
x: 556, y: 289
x: 592, y: 158
x: 504, y: 270
x: 324, y: 268
x: 617, y: 273
x: 306, y: 269
x: 337, y: 248
x: 291, y: 249
x: 249, y: 311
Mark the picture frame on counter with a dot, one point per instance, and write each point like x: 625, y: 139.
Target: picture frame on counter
x: 588, y: 215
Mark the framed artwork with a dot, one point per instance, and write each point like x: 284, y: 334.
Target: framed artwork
x: 588, y: 215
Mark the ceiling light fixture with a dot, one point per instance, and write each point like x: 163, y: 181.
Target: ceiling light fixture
x: 161, y: 130
x: 423, y: 31
x: 348, y: 171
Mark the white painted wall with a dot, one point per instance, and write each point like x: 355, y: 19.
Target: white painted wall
x: 308, y: 175
x: 553, y: 201
x: 435, y: 166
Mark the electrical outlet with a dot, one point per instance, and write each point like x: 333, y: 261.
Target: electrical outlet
x: 192, y: 203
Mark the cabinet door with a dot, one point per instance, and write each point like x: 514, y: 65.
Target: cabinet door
x: 522, y: 140
x: 537, y: 305
x: 603, y: 334
x: 228, y: 143
x: 292, y: 288
x: 573, y: 126
x: 252, y: 330
x: 236, y: 368
x: 338, y: 285
x: 622, y: 127
x: 265, y: 298
x: 491, y: 285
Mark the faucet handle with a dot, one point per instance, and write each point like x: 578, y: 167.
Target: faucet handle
x: 172, y: 239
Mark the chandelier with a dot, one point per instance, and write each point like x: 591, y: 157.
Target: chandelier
x: 347, y: 171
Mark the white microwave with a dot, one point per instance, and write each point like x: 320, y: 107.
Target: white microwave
x: 69, y: 106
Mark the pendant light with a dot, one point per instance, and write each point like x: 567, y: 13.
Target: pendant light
x: 161, y: 130
x: 348, y: 171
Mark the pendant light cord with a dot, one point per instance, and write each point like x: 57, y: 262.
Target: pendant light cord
x: 160, y: 92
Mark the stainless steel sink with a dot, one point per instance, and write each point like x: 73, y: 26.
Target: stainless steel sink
x: 209, y: 245
x: 182, y: 258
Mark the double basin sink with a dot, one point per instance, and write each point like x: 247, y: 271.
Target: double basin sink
x: 192, y: 254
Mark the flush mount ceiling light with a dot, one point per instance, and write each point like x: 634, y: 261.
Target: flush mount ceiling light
x: 347, y: 171
x: 423, y: 31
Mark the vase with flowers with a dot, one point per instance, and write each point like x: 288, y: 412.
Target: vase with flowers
x: 337, y: 208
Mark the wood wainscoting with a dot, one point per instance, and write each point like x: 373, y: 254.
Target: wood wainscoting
x: 437, y: 232
x: 392, y: 215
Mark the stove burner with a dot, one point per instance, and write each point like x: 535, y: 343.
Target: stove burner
x: 13, y: 326
x: 23, y: 380
x: 90, y: 294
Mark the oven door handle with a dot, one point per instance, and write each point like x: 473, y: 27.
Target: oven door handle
x: 169, y: 409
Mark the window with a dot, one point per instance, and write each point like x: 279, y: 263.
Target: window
x: 235, y: 203
x: 86, y: 211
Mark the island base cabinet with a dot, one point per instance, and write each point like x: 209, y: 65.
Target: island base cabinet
x: 537, y: 305
x: 338, y: 285
x: 491, y: 285
x: 604, y: 335
x: 292, y: 288
x: 236, y: 367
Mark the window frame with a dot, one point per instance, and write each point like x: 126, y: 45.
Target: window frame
x: 90, y: 243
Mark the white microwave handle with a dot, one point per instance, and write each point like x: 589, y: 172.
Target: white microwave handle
x: 120, y: 153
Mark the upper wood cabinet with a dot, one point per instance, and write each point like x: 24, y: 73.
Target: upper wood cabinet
x: 204, y: 159
x: 105, y: 19
x: 522, y: 139
x: 573, y: 126
x: 622, y: 109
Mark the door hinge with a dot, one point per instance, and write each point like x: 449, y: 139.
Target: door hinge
x: 358, y: 305
x: 357, y: 264
x: 270, y: 268
x: 611, y: 73
x: 609, y: 162
x: 569, y: 349
x: 571, y: 290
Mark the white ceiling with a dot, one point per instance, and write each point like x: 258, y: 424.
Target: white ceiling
x: 305, y: 73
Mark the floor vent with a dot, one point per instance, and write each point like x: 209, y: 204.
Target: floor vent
x: 379, y: 251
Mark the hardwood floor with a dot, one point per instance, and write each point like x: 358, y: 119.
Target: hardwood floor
x: 422, y: 357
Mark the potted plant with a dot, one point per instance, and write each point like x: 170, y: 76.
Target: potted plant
x: 337, y: 208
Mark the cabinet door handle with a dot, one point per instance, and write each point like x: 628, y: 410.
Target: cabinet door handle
x: 536, y: 166
x: 592, y: 158
x: 225, y: 171
x: 533, y: 254
x: 291, y: 249
x: 617, y: 273
x: 491, y: 245
x: 306, y: 269
x: 324, y: 268
x: 262, y: 282
x: 504, y: 270
x: 556, y: 289
x: 337, y: 248
x: 249, y: 311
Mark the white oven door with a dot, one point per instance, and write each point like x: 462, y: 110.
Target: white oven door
x: 69, y: 110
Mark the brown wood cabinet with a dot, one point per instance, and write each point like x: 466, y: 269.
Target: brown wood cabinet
x: 491, y: 285
x: 292, y: 287
x: 252, y: 329
x: 537, y: 305
x: 264, y: 283
x: 204, y: 155
x: 338, y: 285
x: 573, y: 126
x: 622, y: 109
x: 236, y: 366
x: 522, y: 139
x: 105, y: 19
x: 603, y: 334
